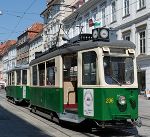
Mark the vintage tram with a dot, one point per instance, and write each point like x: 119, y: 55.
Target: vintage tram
x: 87, y: 79
x: 17, y: 89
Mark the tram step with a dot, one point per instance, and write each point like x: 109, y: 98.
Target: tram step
x: 70, y: 117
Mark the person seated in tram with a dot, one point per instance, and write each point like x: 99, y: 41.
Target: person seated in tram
x: 108, y: 77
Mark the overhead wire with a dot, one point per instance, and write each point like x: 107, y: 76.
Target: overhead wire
x: 18, y: 16
x: 20, y: 19
x: 11, y: 11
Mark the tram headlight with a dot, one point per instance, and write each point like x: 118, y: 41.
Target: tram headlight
x: 122, y: 100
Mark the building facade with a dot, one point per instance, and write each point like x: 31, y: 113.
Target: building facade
x: 1, y: 68
x: 131, y: 20
x: 12, y: 56
x: 23, y: 43
x: 6, y: 59
x: 53, y: 15
x: 35, y: 45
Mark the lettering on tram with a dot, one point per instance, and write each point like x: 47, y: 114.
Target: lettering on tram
x: 92, y: 76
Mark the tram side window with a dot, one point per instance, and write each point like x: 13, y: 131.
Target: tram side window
x: 70, y: 68
x: 34, y: 75
x: 24, y: 76
x: 13, y: 78
x: 50, y: 70
x: 9, y: 78
x: 18, y: 77
x: 89, y: 68
x: 41, y: 74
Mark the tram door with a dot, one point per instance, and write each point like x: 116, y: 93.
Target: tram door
x: 70, y: 81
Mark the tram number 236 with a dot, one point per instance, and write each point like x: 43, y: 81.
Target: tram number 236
x: 109, y: 100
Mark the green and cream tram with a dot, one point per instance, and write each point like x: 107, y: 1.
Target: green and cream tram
x: 89, y: 79
x: 71, y: 82
x: 17, y: 89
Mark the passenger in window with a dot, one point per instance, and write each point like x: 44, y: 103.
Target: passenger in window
x: 108, y: 77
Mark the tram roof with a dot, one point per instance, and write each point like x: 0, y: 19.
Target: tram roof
x: 83, y: 45
x: 18, y: 68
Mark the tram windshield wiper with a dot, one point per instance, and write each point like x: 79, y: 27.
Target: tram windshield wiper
x: 115, y: 80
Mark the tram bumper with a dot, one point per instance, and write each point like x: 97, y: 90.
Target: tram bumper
x: 121, y: 116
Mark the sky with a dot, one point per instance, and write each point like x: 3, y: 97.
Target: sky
x: 18, y: 15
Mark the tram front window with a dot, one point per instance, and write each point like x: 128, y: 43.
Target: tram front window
x: 89, y: 68
x: 118, y: 70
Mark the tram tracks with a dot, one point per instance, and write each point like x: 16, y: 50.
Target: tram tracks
x: 26, y: 110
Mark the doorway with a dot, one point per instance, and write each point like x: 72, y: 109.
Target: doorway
x: 70, y: 81
x: 142, y: 81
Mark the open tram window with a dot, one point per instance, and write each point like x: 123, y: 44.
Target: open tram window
x: 24, y: 77
x: 89, y: 61
x: 118, y: 70
x: 41, y: 74
x: 50, y: 70
x: 34, y: 75
x: 18, y: 77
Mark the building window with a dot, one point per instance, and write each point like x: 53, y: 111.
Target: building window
x: 113, y: 10
x: 141, y: 4
x: 103, y: 15
x: 94, y: 17
x: 80, y: 27
x: 94, y: 14
x: 126, y: 37
x: 142, y: 80
x: 87, y: 25
x: 126, y: 7
x: 142, y: 41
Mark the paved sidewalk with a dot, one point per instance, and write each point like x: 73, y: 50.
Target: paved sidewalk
x: 144, y: 113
